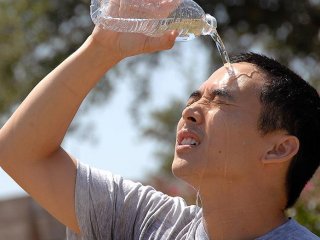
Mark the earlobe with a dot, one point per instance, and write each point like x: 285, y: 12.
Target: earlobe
x: 283, y: 150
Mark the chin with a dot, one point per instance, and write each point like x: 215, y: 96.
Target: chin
x: 182, y: 170
x: 179, y: 168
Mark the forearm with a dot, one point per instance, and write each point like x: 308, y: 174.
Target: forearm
x: 38, y: 127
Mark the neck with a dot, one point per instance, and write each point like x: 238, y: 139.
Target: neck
x: 240, y: 211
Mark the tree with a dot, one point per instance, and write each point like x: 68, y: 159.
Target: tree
x: 37, y: 35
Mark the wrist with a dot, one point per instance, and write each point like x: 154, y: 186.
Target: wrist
x: 104, y: 54
x: 107, y: 42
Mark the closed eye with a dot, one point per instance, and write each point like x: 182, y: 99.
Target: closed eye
x: 217, y: 96
x: 195, y: 96
x: 207, y: 102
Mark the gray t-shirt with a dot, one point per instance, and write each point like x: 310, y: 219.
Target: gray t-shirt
x: 109, y: 207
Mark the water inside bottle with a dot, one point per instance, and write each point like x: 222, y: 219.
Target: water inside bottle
x: 188, y: 28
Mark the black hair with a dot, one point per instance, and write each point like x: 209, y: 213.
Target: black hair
x: 289, y: 103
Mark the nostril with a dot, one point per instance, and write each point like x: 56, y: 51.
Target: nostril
x: 192, y: 119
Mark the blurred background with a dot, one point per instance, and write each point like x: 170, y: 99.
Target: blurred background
x: 127, y: 124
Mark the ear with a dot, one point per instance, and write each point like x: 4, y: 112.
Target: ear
x: 282, y: 150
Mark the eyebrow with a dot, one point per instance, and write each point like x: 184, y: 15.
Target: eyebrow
x: 222, y: 93
x: 196, y: 94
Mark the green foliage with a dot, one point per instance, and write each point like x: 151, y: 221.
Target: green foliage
x: 287, y: 30
x: 35, y: 36
x: 307, y: 209
x: 309, y: 217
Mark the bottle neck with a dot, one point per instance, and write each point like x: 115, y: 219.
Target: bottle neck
x: 208, y: 30
x: 210, y: 26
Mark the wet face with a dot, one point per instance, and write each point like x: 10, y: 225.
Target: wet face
x: 217, y: 135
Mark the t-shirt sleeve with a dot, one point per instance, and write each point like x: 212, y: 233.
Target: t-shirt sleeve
x: 109, y: 207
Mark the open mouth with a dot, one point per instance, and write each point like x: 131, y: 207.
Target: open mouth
x: 187, y: 138
x: 189, y: 141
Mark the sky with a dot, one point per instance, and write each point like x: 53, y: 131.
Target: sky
x: 114, y: 143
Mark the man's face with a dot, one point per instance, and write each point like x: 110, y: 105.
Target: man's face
x: 217, y: 135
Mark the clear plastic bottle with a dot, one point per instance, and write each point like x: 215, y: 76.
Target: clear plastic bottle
x: 153, y: 18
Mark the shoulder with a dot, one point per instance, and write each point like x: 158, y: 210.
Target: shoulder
x: 102, y: 189
x: 291, y: 230
x: 302, y: 233
x: 106, y: 202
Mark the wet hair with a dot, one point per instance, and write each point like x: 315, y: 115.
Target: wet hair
x: 289, y: 103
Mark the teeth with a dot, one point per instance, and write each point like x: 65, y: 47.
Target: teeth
x: 189, y: 141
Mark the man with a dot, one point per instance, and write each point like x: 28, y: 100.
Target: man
x: 245, y: 142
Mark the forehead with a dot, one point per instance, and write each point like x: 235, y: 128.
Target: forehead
x: 245, y: 77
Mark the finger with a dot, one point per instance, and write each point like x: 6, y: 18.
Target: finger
x: 164, y: 42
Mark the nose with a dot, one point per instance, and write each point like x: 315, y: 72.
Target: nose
x: 192, y: 114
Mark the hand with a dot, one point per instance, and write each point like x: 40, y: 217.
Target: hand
x: 122, y: 45
x: 141, y: 9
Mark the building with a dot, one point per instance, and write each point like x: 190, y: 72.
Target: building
x: 23, y: 219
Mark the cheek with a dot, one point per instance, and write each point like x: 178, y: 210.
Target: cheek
x: 180, y: 124
x: 220, y: 127
x: 233, y: 145
x: 236, y: 139
x: 220, y: 138
x: 225, y: 150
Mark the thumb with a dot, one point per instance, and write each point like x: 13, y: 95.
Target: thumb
x: 165, y: 42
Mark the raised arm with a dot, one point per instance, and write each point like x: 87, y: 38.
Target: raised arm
x: 30, y: 141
